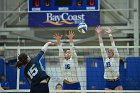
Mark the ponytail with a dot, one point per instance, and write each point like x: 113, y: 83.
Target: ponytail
x: 19, y: 64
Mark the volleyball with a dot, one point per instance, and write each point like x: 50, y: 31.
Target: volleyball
x: 82, y: 28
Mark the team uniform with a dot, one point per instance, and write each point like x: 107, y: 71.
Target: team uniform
x: 111, y: 68
x: 69, y: 70
x: 4, y: 84
x: 35, y: 73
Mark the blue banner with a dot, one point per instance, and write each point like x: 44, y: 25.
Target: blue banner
x: 63, y: 19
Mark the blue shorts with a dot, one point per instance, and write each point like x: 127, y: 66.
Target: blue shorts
x: 40, y: 88
x: 112, y: 84
x: 75, y: 86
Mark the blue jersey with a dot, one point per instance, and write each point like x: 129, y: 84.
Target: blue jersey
x: 4, y: 84
x: 34, y: 71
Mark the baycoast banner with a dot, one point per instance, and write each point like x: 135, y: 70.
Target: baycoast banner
x: 63, y: 19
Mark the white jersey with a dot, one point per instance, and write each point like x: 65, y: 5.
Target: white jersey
x: 69, y: 67
x: 111, y: 66
x: 69, y: 70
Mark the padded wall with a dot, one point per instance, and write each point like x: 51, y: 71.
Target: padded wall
x: 1, y: 66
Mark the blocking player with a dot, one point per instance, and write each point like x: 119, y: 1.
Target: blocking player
x: 69, y: 63
x: 111, y: 60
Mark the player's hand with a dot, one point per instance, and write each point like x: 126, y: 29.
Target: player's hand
x: 98, y: 29
x: 109, y: 31
x: 70, y: 34
x: 50, y: 43
x: 57, y: 37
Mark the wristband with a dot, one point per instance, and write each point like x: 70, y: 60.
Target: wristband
x: 44, y: 48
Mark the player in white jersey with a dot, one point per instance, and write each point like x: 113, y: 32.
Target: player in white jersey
x: 68, y: 63
x: 111, y: 62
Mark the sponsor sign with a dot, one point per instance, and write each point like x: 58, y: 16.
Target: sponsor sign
x: 63, y: 19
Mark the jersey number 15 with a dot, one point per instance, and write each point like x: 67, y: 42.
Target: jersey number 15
x: 32, y: 71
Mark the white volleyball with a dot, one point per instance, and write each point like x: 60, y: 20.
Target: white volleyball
x: 82, y: 28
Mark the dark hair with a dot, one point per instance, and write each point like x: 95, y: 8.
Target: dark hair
x: 22, y: 60
x: 65, y: 50
x: 1, y: 79
x: 58, y: 84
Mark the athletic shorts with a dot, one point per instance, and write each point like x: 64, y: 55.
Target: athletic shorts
x: 40, y: 88
x: 75, y: 86
x: 112, y: 84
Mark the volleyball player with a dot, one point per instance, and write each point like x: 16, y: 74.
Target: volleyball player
x: 4, y: 83
x: 34, y: 71
x: 58, y: 87
x: 69, y: 63
x: 111, y: 62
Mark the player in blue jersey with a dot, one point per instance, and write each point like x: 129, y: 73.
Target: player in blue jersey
x: 4, y: 83
x: 34, y: 71
x: 69, y: 63
x: 111, y: 60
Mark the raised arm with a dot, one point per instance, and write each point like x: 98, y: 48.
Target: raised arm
x: 70, y: 36
x: 103, y: 51
x: 43, y: 50
x: 45, y: 47
x: 116, y: 53
x: 58, y: 37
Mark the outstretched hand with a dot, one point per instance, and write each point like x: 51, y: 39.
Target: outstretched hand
x: 109, y: 31
x: 70, y: 34
x: 50, y: 44
x: 98, y: 29
x: 57, y: 37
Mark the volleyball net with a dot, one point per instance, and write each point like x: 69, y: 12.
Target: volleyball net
x: 79, y: 91
x: 90, y: 68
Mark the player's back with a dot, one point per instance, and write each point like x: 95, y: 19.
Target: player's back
x: 34, y: 72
